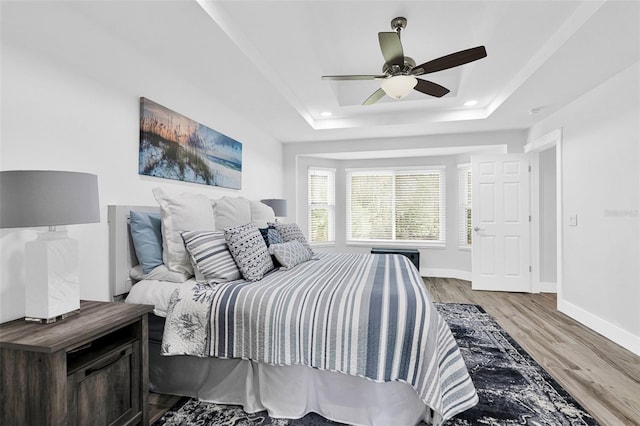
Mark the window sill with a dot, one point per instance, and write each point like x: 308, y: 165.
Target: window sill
x: 320, y: 245
x: 397, y: 244
x: 464, y: 248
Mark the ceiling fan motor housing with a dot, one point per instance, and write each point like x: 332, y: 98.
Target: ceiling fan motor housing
x: 409, y: 64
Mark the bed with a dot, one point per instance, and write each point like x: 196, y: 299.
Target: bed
x: 353, y: 337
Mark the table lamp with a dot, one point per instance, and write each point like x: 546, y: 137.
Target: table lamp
x: 34, y: 198
x: 278, y: 205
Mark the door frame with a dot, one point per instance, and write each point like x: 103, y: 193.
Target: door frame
x: 534, y: 147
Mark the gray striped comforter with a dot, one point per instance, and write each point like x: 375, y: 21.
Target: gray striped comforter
x: 358, y: 314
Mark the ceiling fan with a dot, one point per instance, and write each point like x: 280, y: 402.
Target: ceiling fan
x: 399, y: 72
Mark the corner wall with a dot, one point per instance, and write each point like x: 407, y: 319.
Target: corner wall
x: 600, y: 151
x: 86, y: 118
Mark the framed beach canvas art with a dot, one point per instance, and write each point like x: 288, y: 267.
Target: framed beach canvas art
x: 173, y: 146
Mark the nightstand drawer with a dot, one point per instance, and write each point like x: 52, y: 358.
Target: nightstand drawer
x: 101, y: 390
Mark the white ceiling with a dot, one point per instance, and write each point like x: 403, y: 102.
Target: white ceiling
x: 264, y: 59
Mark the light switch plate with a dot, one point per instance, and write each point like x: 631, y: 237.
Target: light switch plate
x: 573, y: 220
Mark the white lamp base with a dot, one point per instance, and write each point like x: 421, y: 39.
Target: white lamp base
x: 53, y: 285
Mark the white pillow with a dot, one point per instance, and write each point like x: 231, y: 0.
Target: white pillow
x: 181, y: 212
x: 160, y: 273
x: 156, y: 293
x: 230, y: 212
x: 261, y: 214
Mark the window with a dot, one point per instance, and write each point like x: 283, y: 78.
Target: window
x: 396, y: 205
x: 322, y: 205
x: 464, y: 205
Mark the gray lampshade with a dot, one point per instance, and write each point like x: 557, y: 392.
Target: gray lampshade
x: 278, y: 205
x: 31, y: 198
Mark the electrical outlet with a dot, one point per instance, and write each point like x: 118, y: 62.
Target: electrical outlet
x: 573, y: 220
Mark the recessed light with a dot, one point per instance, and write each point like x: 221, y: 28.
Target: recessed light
x: 326, y: 114
x: 471, y: 102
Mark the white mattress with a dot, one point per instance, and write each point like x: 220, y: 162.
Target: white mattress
x: 156, y: 293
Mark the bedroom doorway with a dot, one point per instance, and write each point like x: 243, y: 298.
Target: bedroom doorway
x: 501, y: 254
x: 546, y: 195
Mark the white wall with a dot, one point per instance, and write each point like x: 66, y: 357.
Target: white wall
x: 450, y: 261
x: 84, y: 117
x: 600, y: 282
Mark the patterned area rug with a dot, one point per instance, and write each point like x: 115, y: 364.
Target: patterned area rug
x: 513, y: 389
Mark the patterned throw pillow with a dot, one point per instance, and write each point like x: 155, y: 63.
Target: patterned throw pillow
x: 271, y: 235
x: 210, y: 256
x: 249, y: 251
x: 290, y: 254
x: 291, y: 232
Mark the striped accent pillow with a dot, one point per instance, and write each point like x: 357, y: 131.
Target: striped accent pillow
x: 210, y: 256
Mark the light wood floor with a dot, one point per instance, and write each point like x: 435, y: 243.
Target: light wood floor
x: 602, y: 376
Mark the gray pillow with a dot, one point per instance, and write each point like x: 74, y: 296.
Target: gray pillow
x: 249, y: 251
x: 291, y: 232
x: 290, y: 254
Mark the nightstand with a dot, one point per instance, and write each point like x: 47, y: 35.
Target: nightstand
x: 88, y: 369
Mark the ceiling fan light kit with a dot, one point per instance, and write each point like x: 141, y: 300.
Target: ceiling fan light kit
x: 399, y: 71
x: 399, y: 86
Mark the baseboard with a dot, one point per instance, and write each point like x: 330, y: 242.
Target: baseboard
x: 612, y: 332
x: 445, y: 273
x: 548, y: 287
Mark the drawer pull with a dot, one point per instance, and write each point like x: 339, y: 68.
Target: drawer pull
x: 106, y: 363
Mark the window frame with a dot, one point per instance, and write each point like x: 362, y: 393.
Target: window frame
x: 430, y: 169
x: 465, y: 228
x: 330, y: 206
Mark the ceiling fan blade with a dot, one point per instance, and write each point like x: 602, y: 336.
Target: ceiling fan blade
x: 353, y: 77
x: 452, y: 60
x: 375, y: 97
x: 391, y: 48
x: 430, y: 88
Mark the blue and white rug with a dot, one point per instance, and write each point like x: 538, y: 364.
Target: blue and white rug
x: 513, y: 388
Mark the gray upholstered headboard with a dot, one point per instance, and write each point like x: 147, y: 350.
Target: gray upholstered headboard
x: 122, y: 256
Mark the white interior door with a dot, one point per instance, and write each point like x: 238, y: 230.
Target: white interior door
x: 500, y: 219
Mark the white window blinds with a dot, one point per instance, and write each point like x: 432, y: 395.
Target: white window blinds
x: 396, y: 205
x: 464, y: 205
x: 321, y: 205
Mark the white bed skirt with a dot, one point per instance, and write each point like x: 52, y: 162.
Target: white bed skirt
x: 287, y: 392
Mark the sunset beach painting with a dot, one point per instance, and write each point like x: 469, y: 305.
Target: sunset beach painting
x: 173, y: 146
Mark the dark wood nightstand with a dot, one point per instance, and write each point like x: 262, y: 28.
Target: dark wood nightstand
x: 88, y: 369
